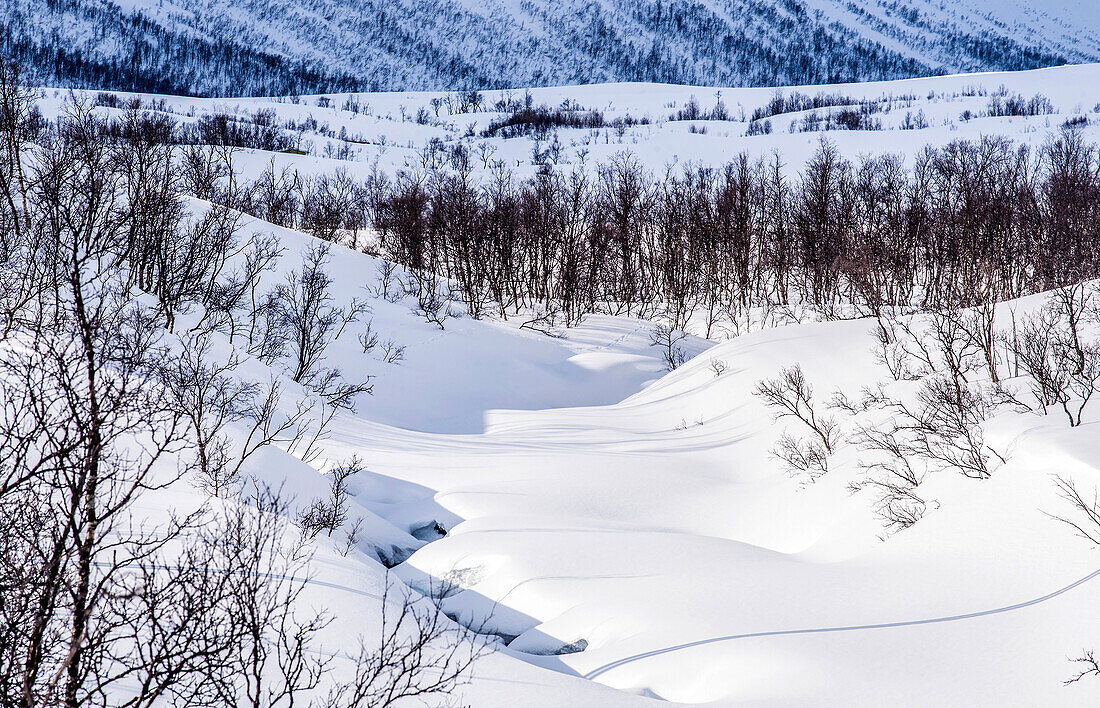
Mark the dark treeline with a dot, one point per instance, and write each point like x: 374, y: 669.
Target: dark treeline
x: 204, y: 48
x: 258, y: 130
x: 541, y: 119
x: 797, y: 102
x: 969, y: 222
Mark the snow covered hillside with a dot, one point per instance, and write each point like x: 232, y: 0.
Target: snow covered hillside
x: 872, y: 499
x: 655, y: 547
x: 199, y: 46
x: 660, y: 125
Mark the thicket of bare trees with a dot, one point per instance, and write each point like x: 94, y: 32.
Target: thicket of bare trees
x: 968, y: 223
x: 1053, y: 348
x: 952, y: 370
x: 102, y: 404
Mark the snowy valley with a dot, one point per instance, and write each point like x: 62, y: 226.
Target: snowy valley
x: 876, y: 489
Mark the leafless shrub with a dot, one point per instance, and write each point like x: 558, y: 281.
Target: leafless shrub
x: 948, y: 341
x: 369, y: 338
x: 1050, y: 347
x: 808, y: 457
x: 210, y: 397
x: 546, y: 320
x: 948, y: 425
x: 944, y: 348
x: 233, y: 304
x: 957, y: 351
x: 791, y: 395
x: 218, y: 399
x: 870, y: 398
x: 1037, y: 355
x: 899, y: 506
x: 333, y: 208
x: 330, y: 514
x: 217, y: 622
x: 977, y: 329
x: 351, y: 538
x: 389, y: 351
x: 892, y: 472
x: 205, y: 170
x: 392, y: 352
x: 668, y: 339
x: 275, y: 197
x: 275, y: 662
x: 431, y: 303
x: 890, y: 350
x: 1085, y: 520
x: 1091, y: 667
x: 913, y: 356
x: 303, y: 308
x: 718, y: 367
x: 306, y: 310
x: 420, y: 654
x: 941, y: 428
x: 1087, y: 510
x: 388, y: 287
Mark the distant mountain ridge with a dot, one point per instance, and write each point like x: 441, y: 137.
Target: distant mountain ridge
x: 242, y: 47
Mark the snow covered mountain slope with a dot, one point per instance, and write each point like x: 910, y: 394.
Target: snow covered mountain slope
x: 263, y: 46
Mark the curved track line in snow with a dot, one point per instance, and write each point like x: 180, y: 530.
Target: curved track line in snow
x: 851, y: 628
x: 595, y: 673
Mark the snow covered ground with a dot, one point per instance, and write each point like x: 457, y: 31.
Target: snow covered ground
x: 658, y: 533
x: 382, y: 131
x: 626, y: 530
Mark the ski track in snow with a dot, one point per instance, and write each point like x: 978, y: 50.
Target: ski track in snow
x: 850, y: 628
x: 730, y: 637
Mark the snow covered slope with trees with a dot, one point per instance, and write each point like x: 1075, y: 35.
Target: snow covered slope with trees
x: 609, y: 395
x: 267, y: 46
